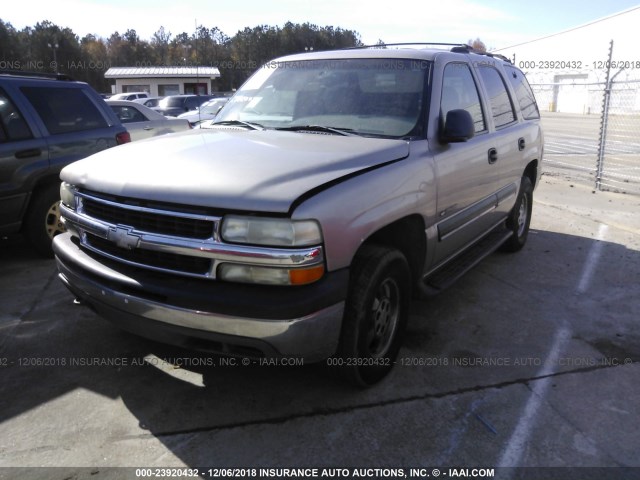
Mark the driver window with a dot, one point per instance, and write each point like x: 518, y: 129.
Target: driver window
x: 459, y: 91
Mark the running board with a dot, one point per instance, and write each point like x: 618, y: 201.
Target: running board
x: 450, y: 272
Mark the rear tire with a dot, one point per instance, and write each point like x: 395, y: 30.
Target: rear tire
x: 42, y: 221
x: 520, y: 218
x: 375, y: 316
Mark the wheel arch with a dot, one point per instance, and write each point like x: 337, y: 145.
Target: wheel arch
x: 531, y: 171
x: 407, y: 235
x: 38, y: 186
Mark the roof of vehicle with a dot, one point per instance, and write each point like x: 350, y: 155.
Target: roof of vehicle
x: 17, y: 75
x: 126, y: 94
x: 420, y: 51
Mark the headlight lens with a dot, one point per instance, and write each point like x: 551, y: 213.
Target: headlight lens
x: 276, y: 232
x: 67, y: 195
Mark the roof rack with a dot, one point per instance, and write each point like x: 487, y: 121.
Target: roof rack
x: 469, y: 49
x: 21, y: 73
x: 384, y: 45
x: 455, y: 48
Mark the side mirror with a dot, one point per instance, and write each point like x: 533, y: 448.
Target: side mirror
x: 458, y: 127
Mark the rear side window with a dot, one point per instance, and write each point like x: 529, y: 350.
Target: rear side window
x: 12, y: 125
x: 459, y: 91
x: 128, y: 114
x: 64, y: 110
x: 501, y: 106
x: 524, y: 94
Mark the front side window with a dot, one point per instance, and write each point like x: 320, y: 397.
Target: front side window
x: 499, y: 99
x: 370, y: 97
x: 64, y: 110
x: 459, y: 91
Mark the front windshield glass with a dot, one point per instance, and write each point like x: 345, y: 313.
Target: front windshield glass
x: 212, y: 107
x: 370, y: 97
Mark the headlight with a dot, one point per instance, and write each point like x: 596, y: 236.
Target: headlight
x: 274, y: 232
x: 67, y: 195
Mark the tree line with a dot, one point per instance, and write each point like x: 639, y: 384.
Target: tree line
x: 47, y: 47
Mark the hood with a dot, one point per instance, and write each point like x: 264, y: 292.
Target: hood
x: 230, y: 169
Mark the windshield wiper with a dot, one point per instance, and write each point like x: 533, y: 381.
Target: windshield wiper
x: 319, y: 128
x: 251, y: 125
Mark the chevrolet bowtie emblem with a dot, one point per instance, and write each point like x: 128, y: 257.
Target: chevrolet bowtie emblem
x: 123, y: 237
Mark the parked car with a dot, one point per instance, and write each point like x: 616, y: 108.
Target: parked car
x: 142, y: 122
x: 174, y: 105
x: 206, y: 111
x: 46, y: 122
x: 333, y: 187
x: 129, y: 96
x: 149, y: 101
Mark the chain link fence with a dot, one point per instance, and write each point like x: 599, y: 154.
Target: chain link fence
x: 592, y: 134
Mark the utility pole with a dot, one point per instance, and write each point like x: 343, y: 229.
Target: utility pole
x: 55, y: 47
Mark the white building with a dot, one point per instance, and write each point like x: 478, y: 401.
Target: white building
x: 162, y: 81
x: 571, y: 65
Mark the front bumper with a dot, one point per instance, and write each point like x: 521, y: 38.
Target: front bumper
x: 216, y: 316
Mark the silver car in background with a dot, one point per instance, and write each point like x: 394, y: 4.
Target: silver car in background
x: 141, y: 122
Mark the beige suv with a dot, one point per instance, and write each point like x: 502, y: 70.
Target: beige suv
x: 331, y: 188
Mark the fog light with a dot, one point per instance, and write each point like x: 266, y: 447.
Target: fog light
x: 268, y: 275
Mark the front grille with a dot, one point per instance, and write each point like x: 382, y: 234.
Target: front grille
x: 169, y: 224
x: 162, y: 260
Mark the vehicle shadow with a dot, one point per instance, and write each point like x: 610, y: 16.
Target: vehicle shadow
x: 63, y: 363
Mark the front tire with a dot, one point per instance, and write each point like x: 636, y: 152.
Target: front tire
x: 375, y: 316
x: 42, y: 221
x: 520, y: 218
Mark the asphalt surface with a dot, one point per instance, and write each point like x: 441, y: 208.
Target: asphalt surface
x: 531, y: 360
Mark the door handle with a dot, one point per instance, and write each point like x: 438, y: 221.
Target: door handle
x: 521, y: 144
x: 32, y: 152
x: 493, y: 155
x: 148, y: 127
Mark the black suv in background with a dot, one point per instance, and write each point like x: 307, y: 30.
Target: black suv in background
x: 46, y: 122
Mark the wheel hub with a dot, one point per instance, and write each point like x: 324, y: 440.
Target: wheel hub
x: 53, y: 223
x: 522, y: 216
x: 385, y: 314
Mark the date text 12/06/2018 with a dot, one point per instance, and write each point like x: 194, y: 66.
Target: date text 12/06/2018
x: 578, y: 64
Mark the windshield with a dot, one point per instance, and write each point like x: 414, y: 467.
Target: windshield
x: 213, y: 106
x: 370, y: 97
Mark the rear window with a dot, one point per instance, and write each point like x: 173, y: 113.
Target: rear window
x: 64, y: 110
x: 525, y: 96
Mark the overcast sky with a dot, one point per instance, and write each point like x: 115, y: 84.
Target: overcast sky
x: 497, y: 23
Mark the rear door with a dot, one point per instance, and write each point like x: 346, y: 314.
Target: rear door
x: 23, y: 158
x: 78, y: 122
x: 509, y: 136
x: 137, y: 124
